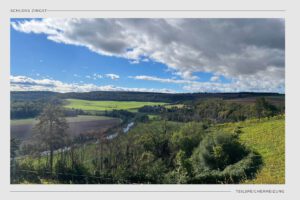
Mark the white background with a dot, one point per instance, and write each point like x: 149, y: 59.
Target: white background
x: 208, y: 9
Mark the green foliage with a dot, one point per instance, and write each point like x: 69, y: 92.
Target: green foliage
x: 237, y: 172
x: 216, y: 152
x: 156, y: 153
x: 133, y: 96
x: 124, y: 115
x: 155, y: 139
x: 140, y: 117
x: 182, y: 171
x: 188, y: 137
x: 219, y: 111
x: 29, y: 105
x: 264, y: 108
x: 161, y: 151
x: 14, y: 147
x: 76, y: 173
x: 51, y: 129
x: 25, y: 172
x: 152, y: 171
x: 25, y: 109
x: 152, y: 109
x: 221, y: 158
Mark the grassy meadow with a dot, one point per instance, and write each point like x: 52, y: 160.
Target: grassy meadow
x: 108, y: 105
x: 266, y: 137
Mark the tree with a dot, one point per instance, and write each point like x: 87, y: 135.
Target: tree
x: 50, y: 131
x: 14, y: 148
x: 182, y: 167
x: 264, y: 109
x: 188, y: 137
x: 156, y: 141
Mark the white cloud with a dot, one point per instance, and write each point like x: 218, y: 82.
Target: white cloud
x: 24, y: 83
x: 215, y: 78
x: 97, y: 76
x: 233, y: 48
x: 134, y: 61
x: 94, y: 76
x: 112, y: 76
x: 238, y: 84
x: 162, y: 80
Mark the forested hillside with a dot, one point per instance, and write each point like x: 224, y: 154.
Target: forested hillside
x: 204, y: 141
x: 134, y: 96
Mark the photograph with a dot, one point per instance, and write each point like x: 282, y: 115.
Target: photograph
x: 147, y: 101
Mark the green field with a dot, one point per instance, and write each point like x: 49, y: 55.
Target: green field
x: 79, y: 118
x: 266, y: 137
x: 108, y: 105
x: 174, y: 106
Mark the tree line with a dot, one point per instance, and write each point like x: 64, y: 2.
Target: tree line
x: 134, y: 96
x: 22, y: 109
x: 215, y: 111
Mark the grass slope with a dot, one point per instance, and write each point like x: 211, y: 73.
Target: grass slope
x: 108, y: 105
x: 266, y: 137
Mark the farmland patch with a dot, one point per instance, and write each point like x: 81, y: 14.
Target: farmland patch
x: 22, y: 129
x: 108, y: 105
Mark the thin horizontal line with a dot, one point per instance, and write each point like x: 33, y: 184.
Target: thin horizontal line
x: 51, y: 10
x: 117, y: 191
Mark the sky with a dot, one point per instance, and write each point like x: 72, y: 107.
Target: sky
x: 152, y: 55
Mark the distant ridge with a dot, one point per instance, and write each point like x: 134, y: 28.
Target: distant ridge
x: 134, y: 96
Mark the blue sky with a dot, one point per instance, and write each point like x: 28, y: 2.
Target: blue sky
x: 77, y: 62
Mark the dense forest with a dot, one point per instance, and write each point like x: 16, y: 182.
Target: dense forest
x: 215, y: 110
x: 134, y: 96
x: 182, y: 142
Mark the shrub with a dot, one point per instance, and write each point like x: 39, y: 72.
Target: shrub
x: 188, y: 137
x: 220, y: 158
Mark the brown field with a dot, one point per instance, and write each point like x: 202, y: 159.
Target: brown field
x: 24, y: 131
